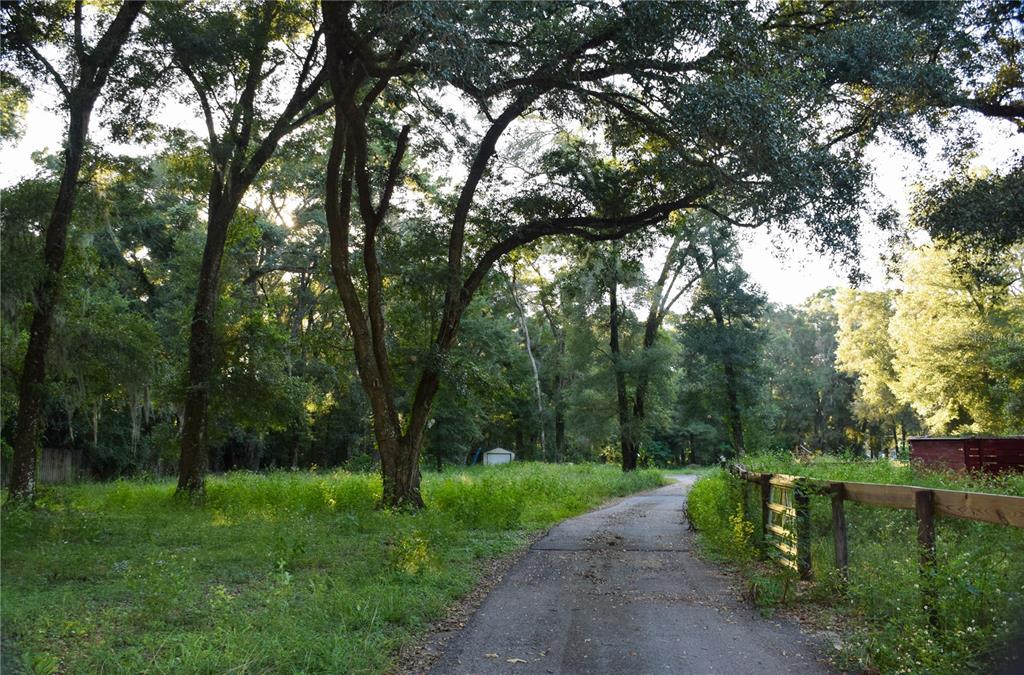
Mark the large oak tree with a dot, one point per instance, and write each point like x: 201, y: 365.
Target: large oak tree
x: 79, y: 75
x: 757, y: 114
x: 254, y: 72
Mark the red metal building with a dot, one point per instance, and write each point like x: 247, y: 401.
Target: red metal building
x: 977, y: 453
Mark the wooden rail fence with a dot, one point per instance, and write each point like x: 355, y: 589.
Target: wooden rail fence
x: 786, y: 523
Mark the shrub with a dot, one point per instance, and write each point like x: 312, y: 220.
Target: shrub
x: 709, y: 501
x: 478, y: 501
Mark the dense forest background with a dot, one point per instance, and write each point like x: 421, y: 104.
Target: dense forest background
x: 640, y: 334
x: 847, y: 371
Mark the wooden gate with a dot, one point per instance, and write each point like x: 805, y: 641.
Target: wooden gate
x: 785, y: 522
x: 780, y: 531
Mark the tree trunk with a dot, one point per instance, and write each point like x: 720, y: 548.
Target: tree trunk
x: 194, y: 460
x: 47, y: 295
x: 626, y: 440
x: 92, y: 70
x: 640, y: 394
x: 558, y: 398
x: 663, y: 297
x: 818, y: 426
x: 525, y: 328
x: 255, y: 452
x: 95, y: 424
x: 731, y: 386
x: 735, y: 419
x: 559, y: 427
x: 237, y: 160
x: 400, y: 468
x: 660, y: 305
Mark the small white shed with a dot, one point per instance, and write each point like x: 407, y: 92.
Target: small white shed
x: 499, y: 456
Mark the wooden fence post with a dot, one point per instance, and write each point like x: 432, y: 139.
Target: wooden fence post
x: 745, y: 495
x: 766, y: 496
x: 924, y: 505
x: 839, y: 531
x: 802, y: 502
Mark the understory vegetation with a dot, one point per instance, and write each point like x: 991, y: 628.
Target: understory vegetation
x: 885, y: 628
x: 289, y: 571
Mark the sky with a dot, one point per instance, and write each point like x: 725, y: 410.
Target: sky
x: 800, y: 273
x: 785, y: 269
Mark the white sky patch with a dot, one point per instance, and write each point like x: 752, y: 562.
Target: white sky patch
x: 791, y: 276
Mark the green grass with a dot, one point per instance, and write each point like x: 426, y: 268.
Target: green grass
x: 979, y: 577
x: 287, y: 572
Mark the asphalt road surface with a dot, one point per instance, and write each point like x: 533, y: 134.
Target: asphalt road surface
x: 621, y: 590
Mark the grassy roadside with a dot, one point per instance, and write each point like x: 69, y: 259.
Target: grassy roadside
x: 979, y: 577
x: 288, y: 572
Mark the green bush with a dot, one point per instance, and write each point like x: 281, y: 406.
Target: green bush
x: 715, y: 508
x: 711, y: 500
x: 490, y: 501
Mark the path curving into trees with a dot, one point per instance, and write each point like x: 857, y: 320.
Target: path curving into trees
x: 621, y: 590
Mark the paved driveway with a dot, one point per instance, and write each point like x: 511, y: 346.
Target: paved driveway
x: 620, y: 590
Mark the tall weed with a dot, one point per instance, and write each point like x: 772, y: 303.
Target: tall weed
x: 279, y: 572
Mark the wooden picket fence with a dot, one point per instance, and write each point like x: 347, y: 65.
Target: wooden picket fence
x: 786, y: 523
x: 57, y: 465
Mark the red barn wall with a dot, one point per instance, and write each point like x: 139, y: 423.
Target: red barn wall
x: 975, y: 453
x: 938, y: 453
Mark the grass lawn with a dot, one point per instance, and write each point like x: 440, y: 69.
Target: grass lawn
x: 287, y: 572
x: 979, y: 576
